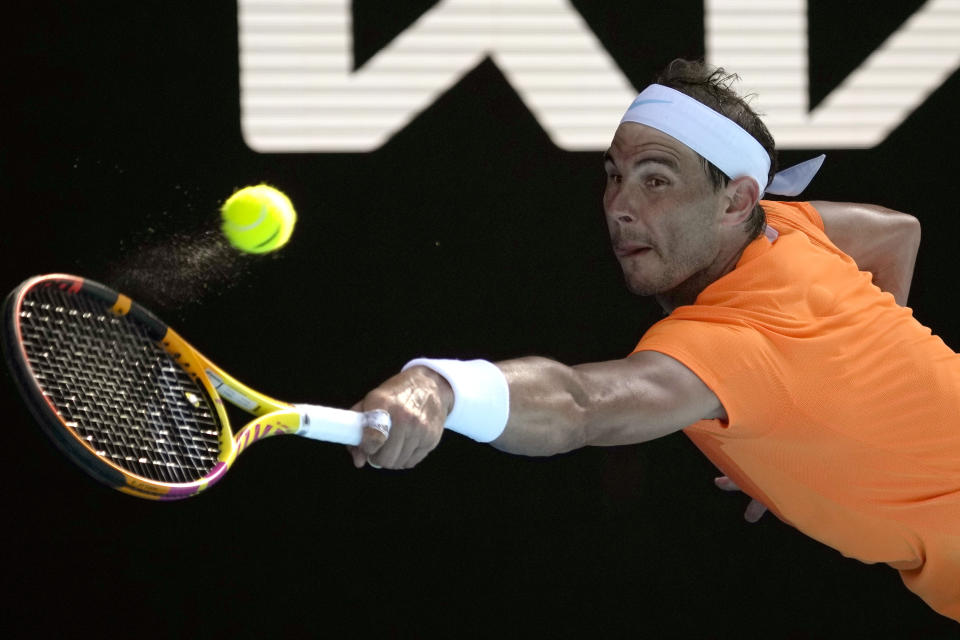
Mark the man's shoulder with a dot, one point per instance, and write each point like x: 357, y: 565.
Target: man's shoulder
x: 796, y: 215
x: 800, y: 217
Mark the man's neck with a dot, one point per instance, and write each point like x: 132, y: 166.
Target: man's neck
x: 688, y: 290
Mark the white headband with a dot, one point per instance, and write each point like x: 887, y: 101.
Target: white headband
x: 717, y: 138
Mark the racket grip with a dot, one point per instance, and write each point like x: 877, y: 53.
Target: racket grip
x: 339, y: 425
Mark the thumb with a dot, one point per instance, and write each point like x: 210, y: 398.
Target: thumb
x: 359, y: 457
x: 726, y: 483
x: 755, y: 511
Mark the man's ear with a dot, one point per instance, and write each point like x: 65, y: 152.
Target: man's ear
x: 743, y: 195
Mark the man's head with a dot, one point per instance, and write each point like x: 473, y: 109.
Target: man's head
x: 677, y: 221
x: 711, y: 86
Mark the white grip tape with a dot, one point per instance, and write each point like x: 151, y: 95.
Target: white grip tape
x: 481, y: 404
x: 331, y: 425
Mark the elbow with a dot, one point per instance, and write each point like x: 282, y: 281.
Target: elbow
x: 902, y: 242
x: 905, y: 227
x: 908, y: 245
x: 896, y: 272
x: 912, y: 231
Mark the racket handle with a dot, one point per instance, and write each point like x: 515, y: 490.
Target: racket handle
x: 339, y: 425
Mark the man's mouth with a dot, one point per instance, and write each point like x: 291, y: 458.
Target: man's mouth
x: 626, y: 251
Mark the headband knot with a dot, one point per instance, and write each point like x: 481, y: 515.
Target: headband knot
x: 718, y: 139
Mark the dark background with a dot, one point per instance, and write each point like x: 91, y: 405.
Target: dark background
x: 468, y: 235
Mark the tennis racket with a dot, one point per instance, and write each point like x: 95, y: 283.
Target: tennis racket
x: 131, y: 401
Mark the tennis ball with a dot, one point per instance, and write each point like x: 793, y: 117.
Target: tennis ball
x: 258, y: 219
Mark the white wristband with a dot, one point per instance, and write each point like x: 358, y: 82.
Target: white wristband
x: 481, y: 397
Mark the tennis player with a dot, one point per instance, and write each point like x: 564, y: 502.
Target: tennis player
x: 787, y: 355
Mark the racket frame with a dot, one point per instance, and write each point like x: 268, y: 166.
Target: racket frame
x: 273, y: 417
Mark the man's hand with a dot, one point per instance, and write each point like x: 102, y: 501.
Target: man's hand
x: 418, y: 401
x: 755, y: 509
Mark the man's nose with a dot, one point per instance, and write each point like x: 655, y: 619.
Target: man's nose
x: 618, y: 208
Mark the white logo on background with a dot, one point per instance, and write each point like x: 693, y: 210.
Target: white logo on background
x: 299, y: 91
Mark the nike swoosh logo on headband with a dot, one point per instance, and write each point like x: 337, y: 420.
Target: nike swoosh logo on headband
x: 637, y: 103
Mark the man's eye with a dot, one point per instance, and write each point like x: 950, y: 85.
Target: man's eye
x: 614, y: 178
x: 656, y: 181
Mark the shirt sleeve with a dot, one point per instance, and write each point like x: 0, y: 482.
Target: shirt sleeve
x: 736, y: 362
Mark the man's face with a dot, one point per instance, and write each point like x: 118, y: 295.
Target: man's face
x: 662, y: 210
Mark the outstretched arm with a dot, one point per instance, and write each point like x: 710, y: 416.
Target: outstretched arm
x: 881, y: 241
x: 553, y: 408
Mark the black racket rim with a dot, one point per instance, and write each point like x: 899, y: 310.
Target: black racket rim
x: 46, y: 415
x: 38, y: 406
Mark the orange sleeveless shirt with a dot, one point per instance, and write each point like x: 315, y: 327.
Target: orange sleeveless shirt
x: 843, y: 410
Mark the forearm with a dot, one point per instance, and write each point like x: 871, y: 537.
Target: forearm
x: 892, y: 254
x: 880, y: 240
x: 548, y: 408
x: 896, y: 275
x: 556, y: 408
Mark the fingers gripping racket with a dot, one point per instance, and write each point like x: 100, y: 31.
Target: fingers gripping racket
x: 131, y: 401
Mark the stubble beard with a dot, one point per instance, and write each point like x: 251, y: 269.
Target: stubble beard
x: 681, y: 280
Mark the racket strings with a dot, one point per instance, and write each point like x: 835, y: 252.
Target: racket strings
x: 117, y: 388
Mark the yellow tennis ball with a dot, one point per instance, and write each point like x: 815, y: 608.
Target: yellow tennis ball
x: 258, y: 219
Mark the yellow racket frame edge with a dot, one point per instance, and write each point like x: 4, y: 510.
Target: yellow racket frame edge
x: 273, y: 417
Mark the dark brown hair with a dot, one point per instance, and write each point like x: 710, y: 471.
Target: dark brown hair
x: 711, y: 87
